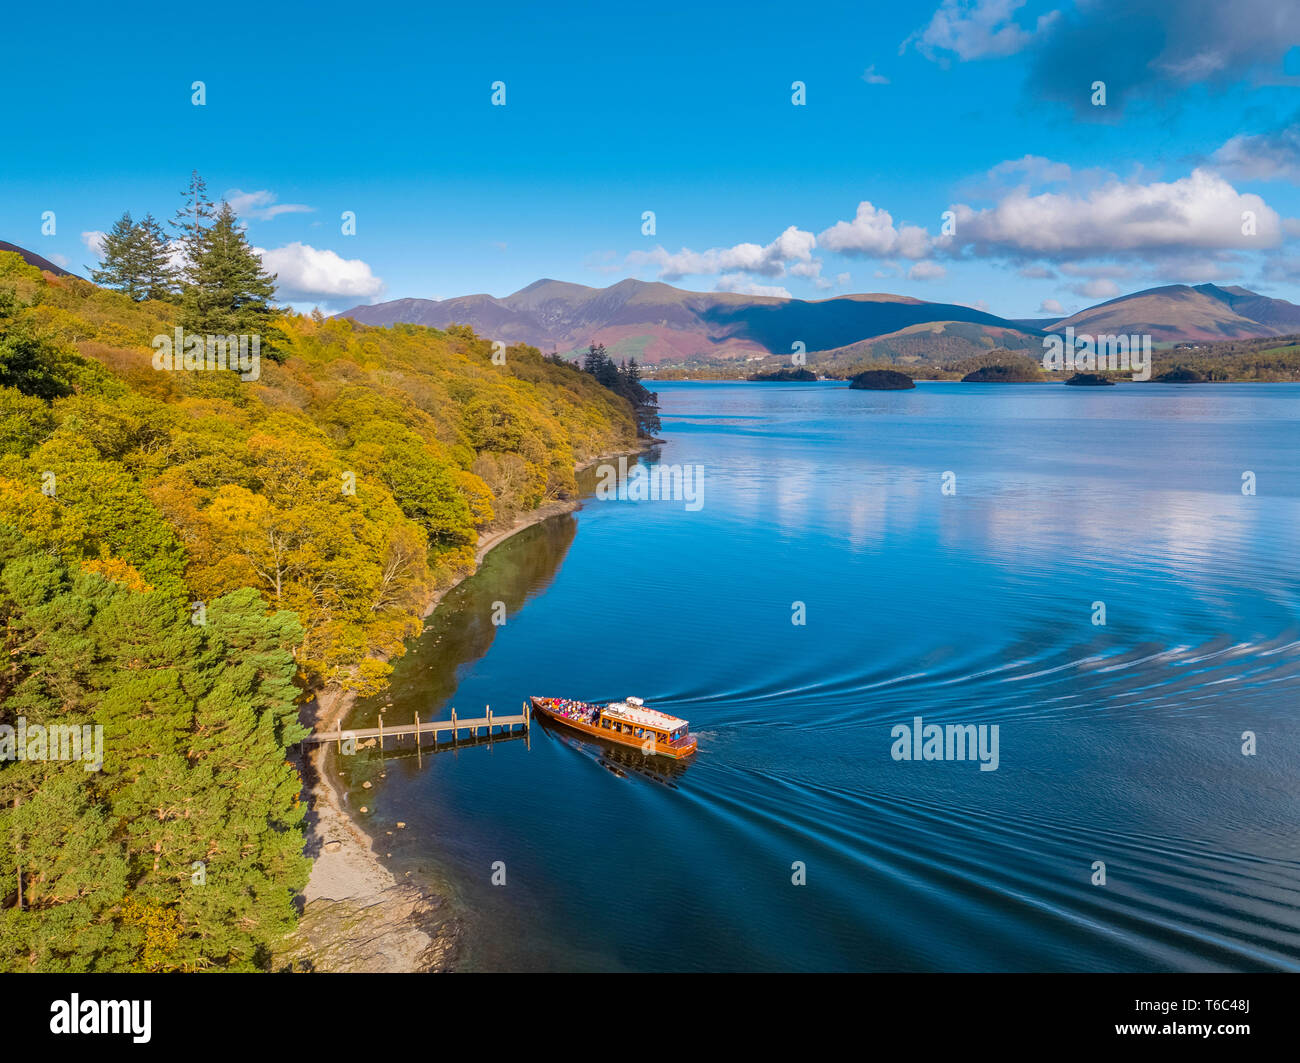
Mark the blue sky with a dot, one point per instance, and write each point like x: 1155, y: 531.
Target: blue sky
x: 977, y: 107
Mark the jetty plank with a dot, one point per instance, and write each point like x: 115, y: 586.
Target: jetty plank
x: 433, y: 727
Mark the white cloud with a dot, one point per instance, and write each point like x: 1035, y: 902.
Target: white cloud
x: 1033, y: 168
x: 813, y: 271
x: 305, y: 273
x: 58, y: 260
x: 872, y: 233
x: 1200, y: 212
x: 94, y: 241
x: 1263, y: 156
x: 926, y: 271
x: 1050, y: 306
x: 261, y: 205
x: 1095, y: 270
x: 977, y: 29
x: 1196, y: 268
x: 872, y: 78
x: 1101, y: 288
x: 746, y: 286
x: 793, y: 245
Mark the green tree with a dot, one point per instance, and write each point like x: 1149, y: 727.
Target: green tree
x: 624, y: 380
x: 120, y: 265
x: 227, y: 291
x: 183, y: 851
x: 192, y: 220
x: 32, y: 365
x: 157, y: 274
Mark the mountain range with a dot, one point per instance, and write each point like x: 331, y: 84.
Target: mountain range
x: 655, y: 322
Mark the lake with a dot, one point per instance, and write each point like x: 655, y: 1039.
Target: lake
x: 1119, y: 743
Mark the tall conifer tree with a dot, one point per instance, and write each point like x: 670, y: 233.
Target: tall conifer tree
x: 120, y: 263
x: 192, y: 220
x: 157, y: 274
x: 228, y: 291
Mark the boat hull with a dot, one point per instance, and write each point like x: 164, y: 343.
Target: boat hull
x: 671, y: 750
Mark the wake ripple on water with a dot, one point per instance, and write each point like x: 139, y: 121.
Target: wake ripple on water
x: 1005, y: 859
x: 1015, y: 682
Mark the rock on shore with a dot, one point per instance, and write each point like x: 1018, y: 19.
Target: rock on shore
x: 401, y: 928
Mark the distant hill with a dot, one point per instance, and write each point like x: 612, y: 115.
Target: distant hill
x: 932, y: 341
x: 1179, y: 312
x: 33, y: 259
x: 656, y: 322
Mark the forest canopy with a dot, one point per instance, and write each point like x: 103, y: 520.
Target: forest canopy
x: 186, y: 553
x: 346, y: 484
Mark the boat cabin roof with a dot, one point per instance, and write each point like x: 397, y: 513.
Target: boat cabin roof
x: 621, y: 710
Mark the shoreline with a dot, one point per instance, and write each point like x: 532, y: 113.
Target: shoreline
x: 403, y: 927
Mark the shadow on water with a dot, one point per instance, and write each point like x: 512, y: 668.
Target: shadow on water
x: 461, y: 630
x: 622, y: 761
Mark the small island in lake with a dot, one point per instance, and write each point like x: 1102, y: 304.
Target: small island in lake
x: 1181, y: 375
x: 1003, y: 374
x: 784, y: 376
x: 1090, y: 380
x: 881, y: 380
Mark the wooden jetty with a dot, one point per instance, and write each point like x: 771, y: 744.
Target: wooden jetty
x: 474, y: 728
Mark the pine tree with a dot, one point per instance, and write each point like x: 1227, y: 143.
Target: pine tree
x: 157, y: 274
x: 183, y: 853
x: 624, y: 379
x: 120, y: 265
x: 227, y: 291
x: 193, y: 220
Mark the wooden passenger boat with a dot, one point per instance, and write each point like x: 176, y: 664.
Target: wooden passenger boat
x: 627, y: 723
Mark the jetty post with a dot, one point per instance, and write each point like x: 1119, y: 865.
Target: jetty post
x: 490, y: 721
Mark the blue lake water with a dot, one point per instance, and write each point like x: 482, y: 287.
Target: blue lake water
x: 1119, y: 743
